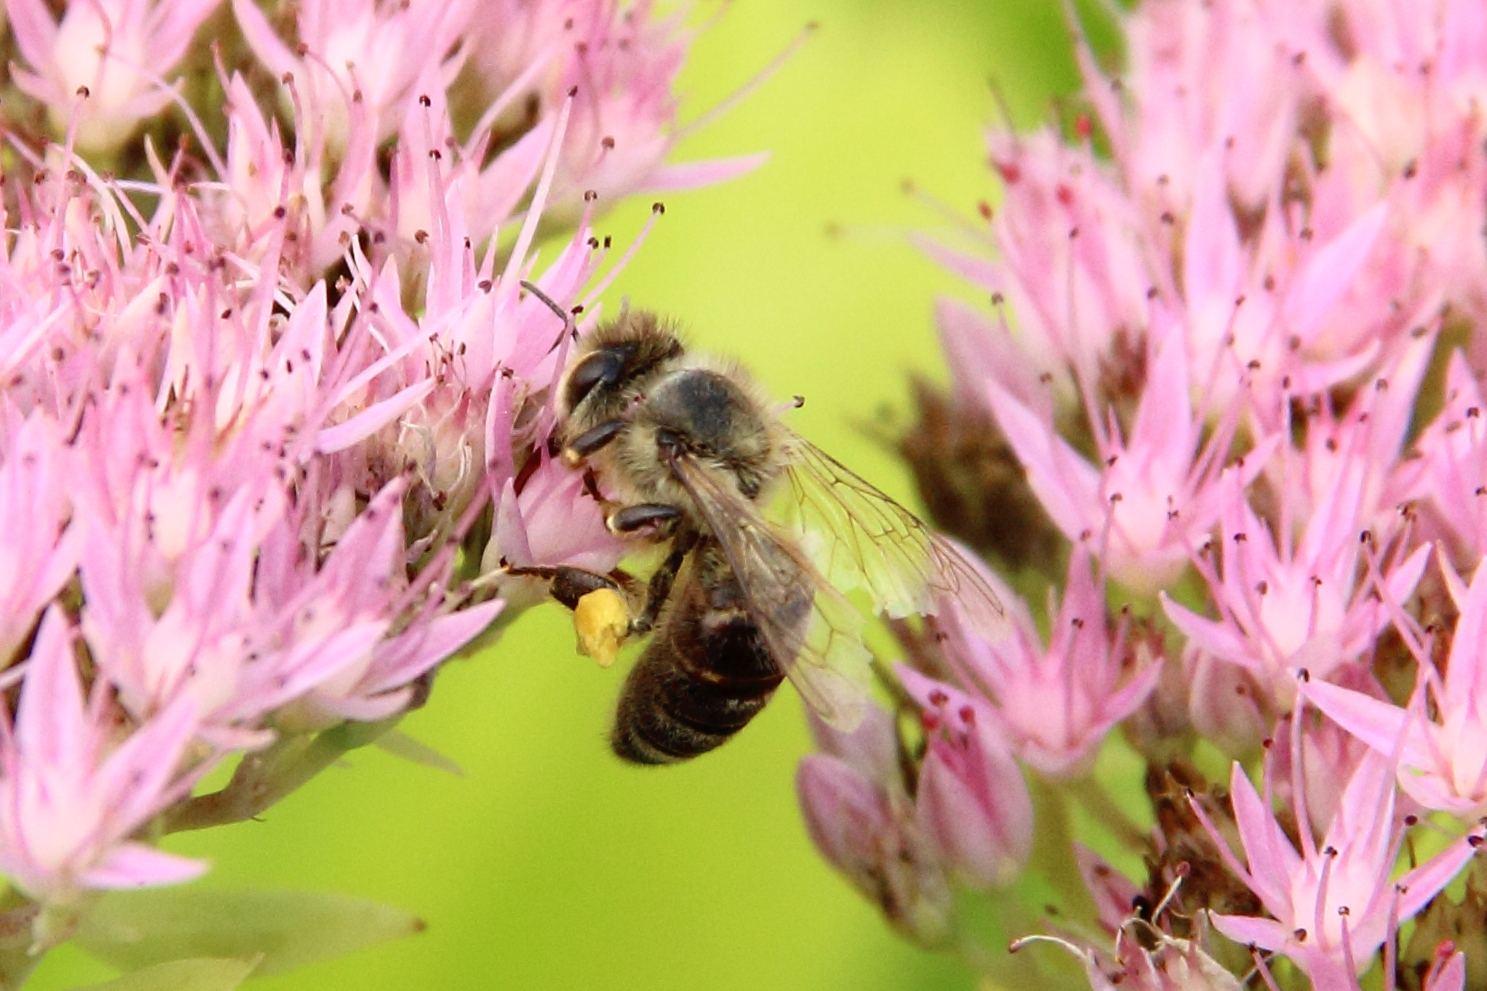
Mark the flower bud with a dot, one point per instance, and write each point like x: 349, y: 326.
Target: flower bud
x: 868, y: 833
x: 973, y: 804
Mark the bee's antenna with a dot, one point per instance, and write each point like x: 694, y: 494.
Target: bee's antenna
x: 794, y: 403
x: 562, y: 314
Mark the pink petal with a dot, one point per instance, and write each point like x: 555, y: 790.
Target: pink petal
x: 1377, y: 723
x: 1244, y: 930
x: 134, y: 865
x: 52, y: 726
x: 1064, y: 482
x: 690, y: 175
x: 1329, y: 272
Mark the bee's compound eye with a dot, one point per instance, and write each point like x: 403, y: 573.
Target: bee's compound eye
x: 603, y: 367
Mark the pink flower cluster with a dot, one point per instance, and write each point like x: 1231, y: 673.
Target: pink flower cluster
x: 275, y: 406
x: 1237, y: 348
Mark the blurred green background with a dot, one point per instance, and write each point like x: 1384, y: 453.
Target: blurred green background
x: 549, y: 865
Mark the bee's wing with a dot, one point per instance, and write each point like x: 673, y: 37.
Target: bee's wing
x: 859, y: 537
x: 810, y: 628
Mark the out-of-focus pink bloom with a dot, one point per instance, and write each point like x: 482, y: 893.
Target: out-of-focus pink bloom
x: 1070, y: 265
x: 979, y: 351
x: 40, y: 550
x: 359, y: 52
x: 1450, y: 476
x: 1289, y: 271
x: 1226, y: 703
x: 616, y: 63
x: 273, y: 199
x: 1440, y: 738
x: 1114, y: 894
x: 103, y: 64
x: 1404, y: 82
x: 1262, y: 313
x: 862, y: 820
x: 1053, y: 705
x: 1448, y: 973
x: 1179, y: 101
x: 72, y: 794
x: 1334, y: 898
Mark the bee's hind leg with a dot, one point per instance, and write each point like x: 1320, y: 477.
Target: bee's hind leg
x: 568, y: 584
x: 603, y: 606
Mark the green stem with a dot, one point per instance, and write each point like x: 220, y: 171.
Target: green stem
x: 1091, y: 794
x: 17, y: 916
x: 265, y: 777
x: 1053, y: 848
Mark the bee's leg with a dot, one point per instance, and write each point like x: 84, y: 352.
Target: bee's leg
x: 603, y: 606
x: 568, y: 584
x: 659, y: 589
x: 657, y: 515
x: 592, y: 440
x: 591, y: 486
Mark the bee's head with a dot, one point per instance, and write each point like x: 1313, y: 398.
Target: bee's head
x: 615, y: 362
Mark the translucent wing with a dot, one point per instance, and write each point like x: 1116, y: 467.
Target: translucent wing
x: 858, y: 537
x: 809, y: 627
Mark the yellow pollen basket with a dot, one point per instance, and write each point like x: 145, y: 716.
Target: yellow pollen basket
x: 602, y: 621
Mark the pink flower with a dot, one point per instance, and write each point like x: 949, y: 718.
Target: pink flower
x: 861, y: 819
x: 1071, y: 264
x: 1217, y: 303
x: 366, y: 52
x: 971, y: 801
x: 1404, y: 81
x: 1226, y: 703
x: 72, y: 795
x: 41, y: 550
x: 103, y: 65
x: 1440, y: 737
x: 1451, y: 472
x: 616, y: 64
x: 333, y: 636
x: 1333, y: 900
x: 1287, y: 605
x: 1054, y: 705
x: 550, y: 521
x: 1156, y: 488
x: 1181, y: 101
x: 250, y: 503
x: 1448, y: 973
x: 272, y: 199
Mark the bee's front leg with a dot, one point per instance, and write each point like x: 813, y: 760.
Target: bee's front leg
x: 577, y: 450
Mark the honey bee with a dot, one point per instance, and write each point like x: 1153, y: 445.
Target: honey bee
x: 692, y: 454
